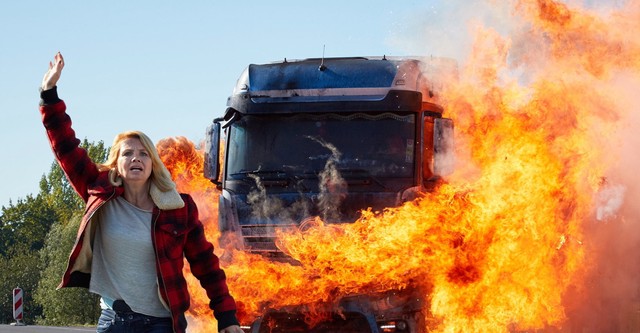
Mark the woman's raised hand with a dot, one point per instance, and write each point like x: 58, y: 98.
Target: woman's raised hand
x: 53, y: 74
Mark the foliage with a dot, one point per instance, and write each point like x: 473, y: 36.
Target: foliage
x: 69, y: 305
x: 25, y: 225
x: 60, y: 194
x: 23, y: 229
x: 19, y: 270
x: 36, y: 236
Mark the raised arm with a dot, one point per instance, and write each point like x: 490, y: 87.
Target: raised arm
x: 74, y: 160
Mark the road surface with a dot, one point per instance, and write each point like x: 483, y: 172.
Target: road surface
x: 44, y: 329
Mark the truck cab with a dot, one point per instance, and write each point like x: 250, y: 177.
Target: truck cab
x: 327, y: 138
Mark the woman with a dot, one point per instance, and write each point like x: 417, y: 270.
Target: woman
x: 135, y: 232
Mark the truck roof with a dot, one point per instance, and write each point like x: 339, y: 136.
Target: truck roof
x: 325, y: 80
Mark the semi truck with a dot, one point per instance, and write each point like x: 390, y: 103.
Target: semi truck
x: 328, y: 138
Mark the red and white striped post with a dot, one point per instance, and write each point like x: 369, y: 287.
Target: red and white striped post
x: 17, y: 305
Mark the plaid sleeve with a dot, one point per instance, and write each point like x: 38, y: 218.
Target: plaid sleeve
x: 74, y: 161
x: 205, y: 266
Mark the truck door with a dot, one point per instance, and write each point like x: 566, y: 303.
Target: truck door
x: 443, y: 148
x: 437, y: 147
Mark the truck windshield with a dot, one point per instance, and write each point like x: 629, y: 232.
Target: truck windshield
x: 380, y: 145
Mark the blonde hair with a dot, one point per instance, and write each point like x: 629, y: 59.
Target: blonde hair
x: 160, y: 176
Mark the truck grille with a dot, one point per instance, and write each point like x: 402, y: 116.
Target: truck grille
x: 261, y: 238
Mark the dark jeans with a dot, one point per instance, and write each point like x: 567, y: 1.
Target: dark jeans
x: 132, y: 322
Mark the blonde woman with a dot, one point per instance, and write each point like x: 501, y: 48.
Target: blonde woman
x: 135, y: 232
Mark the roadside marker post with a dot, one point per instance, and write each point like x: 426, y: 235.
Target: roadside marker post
x: 17, y: 306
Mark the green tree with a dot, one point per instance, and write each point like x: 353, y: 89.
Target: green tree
x: 68, y: 306
x: 32, y: 232
x: 59, y: 192
x: 21, y: 269
x: 26, y: 224
x: 23, y: 229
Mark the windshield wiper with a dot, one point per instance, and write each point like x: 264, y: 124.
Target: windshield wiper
x: 278, y: 174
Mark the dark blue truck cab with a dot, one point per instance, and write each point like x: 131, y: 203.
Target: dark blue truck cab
x: 329, y: 138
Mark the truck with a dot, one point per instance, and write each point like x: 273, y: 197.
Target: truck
x: 328, y: 138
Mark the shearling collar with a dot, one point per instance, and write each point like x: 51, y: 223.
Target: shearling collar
x: 165, y: 200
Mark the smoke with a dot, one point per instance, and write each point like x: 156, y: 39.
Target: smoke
x: 266, y: 207
x: 333, y: 188
x: 614, y: 283
x: 445, y: 29
x: 608, y: 201
x: 332, y: 191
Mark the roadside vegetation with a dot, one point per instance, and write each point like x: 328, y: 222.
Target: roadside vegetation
x: 36, y: 236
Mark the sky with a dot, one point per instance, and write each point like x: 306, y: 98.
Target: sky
x: 167, y: 67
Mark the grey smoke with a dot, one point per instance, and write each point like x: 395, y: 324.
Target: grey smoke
x: 333, y: 189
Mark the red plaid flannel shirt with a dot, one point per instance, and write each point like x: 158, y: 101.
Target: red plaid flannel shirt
x: 177, y: 233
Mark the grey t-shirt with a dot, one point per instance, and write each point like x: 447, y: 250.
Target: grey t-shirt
x: 123, y: 265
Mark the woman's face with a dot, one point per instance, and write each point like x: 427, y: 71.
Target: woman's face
x: 134, y: 162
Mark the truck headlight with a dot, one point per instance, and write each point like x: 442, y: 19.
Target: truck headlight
x: 393, y: 326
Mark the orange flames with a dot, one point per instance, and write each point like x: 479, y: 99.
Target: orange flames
x: 508, y: 243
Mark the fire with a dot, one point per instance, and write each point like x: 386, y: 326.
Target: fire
x: 186, y: 164
x: 508, y: 242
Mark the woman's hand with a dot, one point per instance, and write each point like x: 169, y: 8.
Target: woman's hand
x: 53, y: 74
x: 232, y: 329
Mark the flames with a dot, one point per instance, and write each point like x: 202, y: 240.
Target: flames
x: 510, y: 242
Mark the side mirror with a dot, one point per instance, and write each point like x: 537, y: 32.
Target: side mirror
x: 211, y: 149
x: 443, y: 147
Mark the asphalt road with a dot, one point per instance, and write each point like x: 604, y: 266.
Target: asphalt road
x: 43, y: 329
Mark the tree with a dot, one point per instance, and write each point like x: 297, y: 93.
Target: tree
x: 59, y: 192
x: 21, y: 269
x: 68, y: 306
x: 23, y: 229
x: 32, y: 234
x: 25, y: 224
x: 64, y: 306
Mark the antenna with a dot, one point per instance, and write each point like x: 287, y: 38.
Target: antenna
x: 322, y: 66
